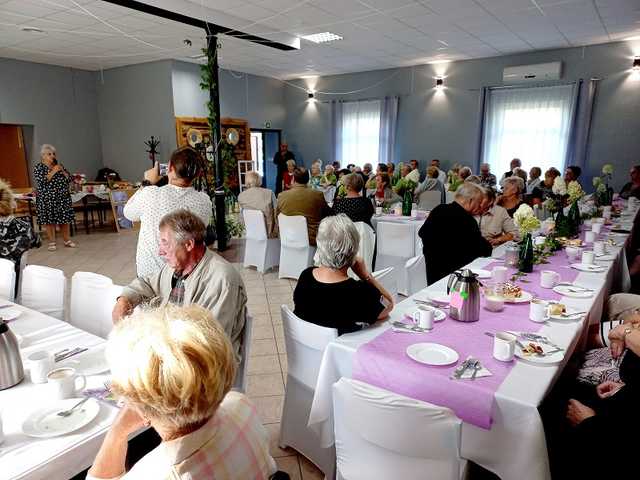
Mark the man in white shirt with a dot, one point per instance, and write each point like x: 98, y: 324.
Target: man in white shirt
x: 150, y: 204
x: 414, y: 173
x: 442, y: 176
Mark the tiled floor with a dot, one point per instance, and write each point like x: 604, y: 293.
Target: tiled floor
x: 113, y: 254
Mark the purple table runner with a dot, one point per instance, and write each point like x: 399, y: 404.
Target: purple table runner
x: 383, y: 361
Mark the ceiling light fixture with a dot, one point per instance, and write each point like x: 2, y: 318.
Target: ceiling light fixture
x: 439, y: 83
x: 323, y: 37
x: 636, y: 64
x: 32, y: 29
x: 311, y: 96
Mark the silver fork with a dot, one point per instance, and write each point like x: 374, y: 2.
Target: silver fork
x: 475, y: 364
x: 66, y: 413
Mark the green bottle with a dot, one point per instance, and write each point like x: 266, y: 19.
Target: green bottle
x: 407, y: 203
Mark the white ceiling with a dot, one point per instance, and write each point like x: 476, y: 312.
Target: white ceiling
x: 92, y: 34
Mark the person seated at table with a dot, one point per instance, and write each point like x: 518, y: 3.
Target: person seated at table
x: 632, y: 189
x: 464, y: 173
x: 534, y: 179
x: 450, y: 235
x: 16, y: 234
x: 174, y: 368
x: 545, y: 189
x: 149, y: 204
x: 608, y: 412
x: 254, y: 197
x: 487, y: 179
x: 384, y: 193
x: 300, y: 200
x: 431, y: 183
x: 521, y: 173
x: 515, y: 163
x: 287, y: 175
x: 315, y: 175
x: 511, y: 197
x: 354, y: 205
x: 192, y: 274
x: 329, y: 178
x: 381, y: 168
x: 495, y: 223
x: 572, y: 174
x: 358, y: 302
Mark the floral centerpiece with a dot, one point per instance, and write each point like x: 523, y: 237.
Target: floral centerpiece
x: 526, y: 222
x: 603, y: 192
x: 405, y: 188
x: 575, y: 193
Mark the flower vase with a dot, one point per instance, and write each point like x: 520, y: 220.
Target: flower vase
x: 407, y: 203
x: 562, y: 227
x: 525, y: 256
x: 574, y: 219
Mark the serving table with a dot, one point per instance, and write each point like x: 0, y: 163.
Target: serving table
x: 514, y: 447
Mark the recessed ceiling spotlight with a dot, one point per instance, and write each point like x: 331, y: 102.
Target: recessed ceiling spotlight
x: 636, y: 64
x: 439, y: 83
x: 32, y: 30
x: 323, y: 37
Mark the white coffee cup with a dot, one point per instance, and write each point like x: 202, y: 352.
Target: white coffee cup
x: 494, y: 303
x: 572, y: 252
x: 423, y: 317
x: 596, y: 228
x: 599, y: 248
x: 63, y: 383
x: 397, y: 210
x: 378, y: 210
x: 538, y: 310
x: 414, y: 213
x: 539, y: 240
x: 588, y: 258
x: 549, y: 278
x: 40, y: 364
x: 499, y: 274
x: 589, y: 237
x: 504, y: 346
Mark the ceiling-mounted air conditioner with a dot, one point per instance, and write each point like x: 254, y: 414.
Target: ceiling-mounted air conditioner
x: 540, y: 72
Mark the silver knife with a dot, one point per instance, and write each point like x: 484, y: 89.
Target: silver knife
x: 460, y: 370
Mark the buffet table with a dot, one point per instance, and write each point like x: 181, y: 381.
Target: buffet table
x: 62, y: 457
x: 514, y: 445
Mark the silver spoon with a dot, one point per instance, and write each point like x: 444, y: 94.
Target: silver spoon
x: 66, y: 413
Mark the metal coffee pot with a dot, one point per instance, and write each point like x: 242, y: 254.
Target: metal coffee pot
x: 464, y: 288
x: 11, y: 370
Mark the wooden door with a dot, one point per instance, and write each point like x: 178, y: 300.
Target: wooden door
x: 13, y: 157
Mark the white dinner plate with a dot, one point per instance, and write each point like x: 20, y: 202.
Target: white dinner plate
x: 438, y: 315
x: 45, y: 422
x: 570, y: 315
x: 441, y: 298
x: 432, y: 354
x: 481, y: 273
x: 566, y: 291
x: 9, y: 313
x: 606, y: 258
x: 544, y: 360
x: 91, y: 362
x: 525, y: 297
x: 588, y: 267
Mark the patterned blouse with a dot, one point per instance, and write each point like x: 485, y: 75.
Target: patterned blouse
x: 16, y: 237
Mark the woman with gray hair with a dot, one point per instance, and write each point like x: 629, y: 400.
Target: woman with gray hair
x: 354, y: 205
x: 254, y: 197
x: 511, y: 197
x: 53, y: 197
x: 362, y: 301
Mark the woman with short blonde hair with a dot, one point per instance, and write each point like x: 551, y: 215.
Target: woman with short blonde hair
x: 511, y: 198
x: 174, y: 368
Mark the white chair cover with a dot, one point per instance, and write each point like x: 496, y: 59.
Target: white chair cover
x: 396, y: 245
x: 42, y: 289
x: 259, y: 251
x: 7, y: 279
x: 429, y: 200
x: 367, y: 246
x: 416, y: 274
x: 388, y: 279
x: 240, y: 383
x: 450, y: 196
x: 92, y: 299
x: 305, y: 343
x: 295, y: 252
x: 381, y: 435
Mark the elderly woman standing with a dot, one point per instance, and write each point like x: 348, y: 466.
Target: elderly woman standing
x: 511, y: 197
x: 354, y: 205
x: 53, y: 199
x: 174, y: 368
x: 360, y: 301
x: 254, y: 197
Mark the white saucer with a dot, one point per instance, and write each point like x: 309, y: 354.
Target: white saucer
x: 432, y: 354
x: 481, y: 273
x: 9, y: 313
x: 570, y: 318
x: 525, y: 297
x: 91, y: 362
x: 45, y: 422
x: 545, y: 360
x: 438, y: 315
x: 565, y: 291
x: 606, y: 258
x: 588, y: 267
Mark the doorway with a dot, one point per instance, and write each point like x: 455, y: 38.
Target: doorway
x: 265, y: 143
x: 14, y: 167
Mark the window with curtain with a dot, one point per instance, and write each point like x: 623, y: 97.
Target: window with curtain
x: 532, y: 124
x: 360, y: 132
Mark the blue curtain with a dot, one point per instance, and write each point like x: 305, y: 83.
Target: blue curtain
x: 388, y: 124
x: 336, y: 130
x: 579, y: 141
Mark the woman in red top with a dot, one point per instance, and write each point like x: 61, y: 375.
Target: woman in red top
x: 287, y: 177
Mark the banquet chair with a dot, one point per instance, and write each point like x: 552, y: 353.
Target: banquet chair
x: 429, y: 200
x: 295, y: 252
x: 388, y: 279
x: 380, y: 435
x: 260, y: 251
x: 7, y: 279
x: 366, y: 247
x: 92, y: 299
x: 305, y: 343
x: 396, y: 245
x: 240, y: 383
x: 416, y: 274
x: 42, y: 289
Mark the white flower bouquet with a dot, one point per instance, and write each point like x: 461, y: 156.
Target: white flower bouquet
x: 575, y: 192
x: 559, y: 186
x: 525, y: 220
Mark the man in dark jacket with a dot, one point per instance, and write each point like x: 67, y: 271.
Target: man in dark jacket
x: 451, y: 237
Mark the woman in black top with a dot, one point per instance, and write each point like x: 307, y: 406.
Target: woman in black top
x: 354, y: 205
x: 326, y: 296
x: 511, y: 197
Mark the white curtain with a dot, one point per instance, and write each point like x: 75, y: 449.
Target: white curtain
x: 360, y: 132
x: 532, y: 124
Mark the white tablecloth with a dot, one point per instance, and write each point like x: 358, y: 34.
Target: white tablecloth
x: 59, y: 458
x: 515, y: 447
x: 413, y: 222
